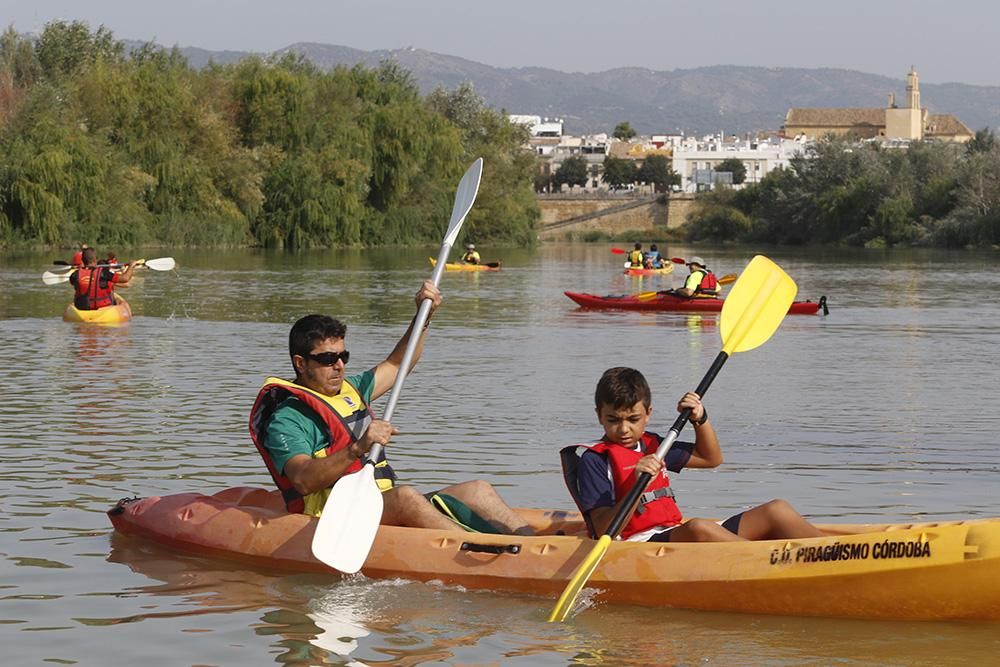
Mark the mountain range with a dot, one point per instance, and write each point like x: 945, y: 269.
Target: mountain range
x: 729, y: 98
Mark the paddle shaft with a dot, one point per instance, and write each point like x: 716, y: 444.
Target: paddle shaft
x: 625, y: 511
x: 416, y: 331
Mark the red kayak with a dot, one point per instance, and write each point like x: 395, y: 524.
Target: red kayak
x: 667, y: 301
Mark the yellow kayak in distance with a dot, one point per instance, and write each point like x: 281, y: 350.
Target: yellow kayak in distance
x: 945, y: 570
x: 456, y: 266
x: 117, y: 314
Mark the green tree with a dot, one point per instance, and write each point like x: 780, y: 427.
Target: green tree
x: 983, y: 142
x: 572, y: 171
x: 619, y: 172
x: 734, y: 166
x: 623, y: 131
x: 64, y: 47
x: 657, y: 171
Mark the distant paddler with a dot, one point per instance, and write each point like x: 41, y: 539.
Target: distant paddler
x: 471, y: 256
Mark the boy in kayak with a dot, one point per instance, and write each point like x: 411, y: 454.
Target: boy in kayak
x: 600, y: 479
x: 314, y: 430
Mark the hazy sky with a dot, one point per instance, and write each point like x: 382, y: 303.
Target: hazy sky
x: 952, y: 41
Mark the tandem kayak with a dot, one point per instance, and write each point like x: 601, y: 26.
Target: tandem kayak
x: 663, y: 271
x: 666, y: 301
x: 919, y: 571
x: 116, y: 314
x: 488, y: 266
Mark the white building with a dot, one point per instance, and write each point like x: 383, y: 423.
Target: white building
x: 759, y: 156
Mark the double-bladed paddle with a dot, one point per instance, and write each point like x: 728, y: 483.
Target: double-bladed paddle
x: 62, y: 275
x: 752, y: 312
x: 346, y: 528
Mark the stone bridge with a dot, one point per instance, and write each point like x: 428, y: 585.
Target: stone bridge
x: 610, y: 213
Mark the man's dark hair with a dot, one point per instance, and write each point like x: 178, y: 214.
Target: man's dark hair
x: 622, y: 387
x: 89, y: 256
x: 313, y: 329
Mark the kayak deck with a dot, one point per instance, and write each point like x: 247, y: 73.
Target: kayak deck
x: 668, y: 302
x: 450, y: 266
x: 920, y: 571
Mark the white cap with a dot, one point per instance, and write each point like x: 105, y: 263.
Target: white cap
x: 697, y: 260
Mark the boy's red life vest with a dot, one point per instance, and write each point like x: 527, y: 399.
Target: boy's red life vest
x: 346, y: 417
x: 656, y: 508
x: 94, y: 288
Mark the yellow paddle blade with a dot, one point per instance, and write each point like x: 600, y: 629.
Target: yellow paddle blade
x: 756, y: 305
x: 583, y: 571
x: 728, y: 278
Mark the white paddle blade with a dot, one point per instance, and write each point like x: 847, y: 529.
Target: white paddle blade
x: 465, y: 197
x: 161, y: 264
x: 51, y: 278
x: 346, y: 529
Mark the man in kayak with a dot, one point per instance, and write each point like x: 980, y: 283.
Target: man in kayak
x: 600, y: 479
x: 95, y: 285
x: 700, y: 280
x: 471, y: 256
x: 636, y: 257
x: 314, y: 430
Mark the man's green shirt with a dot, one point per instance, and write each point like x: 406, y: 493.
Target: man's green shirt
x: 296, y: 429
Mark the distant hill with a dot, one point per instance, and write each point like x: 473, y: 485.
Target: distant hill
x: 700, y: 100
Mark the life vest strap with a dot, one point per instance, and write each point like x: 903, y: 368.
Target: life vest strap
x: 650, y: 496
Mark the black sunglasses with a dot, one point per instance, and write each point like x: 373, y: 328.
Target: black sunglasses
x: 329, y: 358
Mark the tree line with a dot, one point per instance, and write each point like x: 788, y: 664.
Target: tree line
x: 861, y: 194
x: 110, y: 147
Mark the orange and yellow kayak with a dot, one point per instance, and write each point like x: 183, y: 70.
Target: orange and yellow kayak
x: 662, y: 271
x: 919, y: 571
x: 451, y: 266
x: 116, y: 314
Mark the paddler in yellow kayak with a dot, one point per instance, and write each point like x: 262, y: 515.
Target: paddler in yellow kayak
x: 471, y: 256
x: 600, y: 478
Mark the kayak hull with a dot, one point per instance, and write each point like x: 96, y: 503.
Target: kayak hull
x: 116, y: 314
x: 666, y: 270
x: 669, y: 302
x: 924, y: 571
x: 489, y: 266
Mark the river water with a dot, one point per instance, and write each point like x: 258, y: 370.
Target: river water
x: 884, y: 410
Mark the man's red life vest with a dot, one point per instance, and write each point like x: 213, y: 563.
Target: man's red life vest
x: 94, y: 288
x: 77, y: 258
x: 656, y: 508
x: 709, y: 283
x: 346, y: 417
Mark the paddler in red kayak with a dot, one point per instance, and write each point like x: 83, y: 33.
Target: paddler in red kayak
x: 700, y: 281
x: 600, y: 478
x: 315, y: 429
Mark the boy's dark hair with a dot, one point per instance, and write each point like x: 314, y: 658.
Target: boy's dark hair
x: 622, y: 387
x: 313, y: 329
x: 89, y: 255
